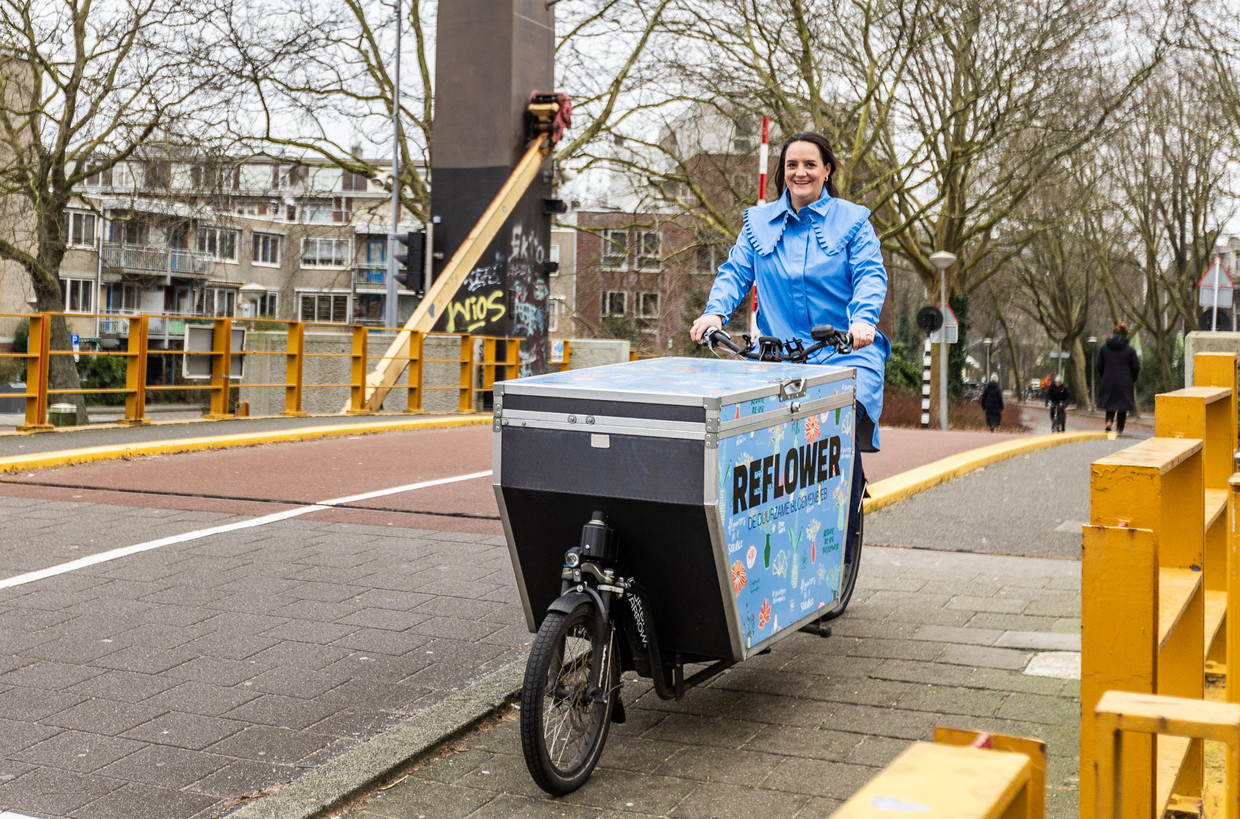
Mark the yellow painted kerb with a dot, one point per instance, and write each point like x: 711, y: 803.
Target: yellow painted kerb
x: 66, y: 457
x: 898, y: 487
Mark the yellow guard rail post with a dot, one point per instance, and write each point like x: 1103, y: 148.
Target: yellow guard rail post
x: 135, y: 372
x: 38, y: 359
x: 1147, y: 715
x: 1155, y: 485
x: 961, y: 775
x: 294, y: 369
x: 413, y: 397
x: 1208, y: 413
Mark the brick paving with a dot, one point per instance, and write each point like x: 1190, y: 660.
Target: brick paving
x: 167, y: 684
x: 795, y: 732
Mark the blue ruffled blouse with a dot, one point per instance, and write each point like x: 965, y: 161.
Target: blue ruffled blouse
x: 821, y: 266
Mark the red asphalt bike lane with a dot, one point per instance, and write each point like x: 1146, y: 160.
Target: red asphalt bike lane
x: 260, y: 480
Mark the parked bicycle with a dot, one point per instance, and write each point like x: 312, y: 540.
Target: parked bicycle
x: 706, y: 504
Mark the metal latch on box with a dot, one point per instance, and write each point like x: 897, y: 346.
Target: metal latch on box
x: 792, y: 388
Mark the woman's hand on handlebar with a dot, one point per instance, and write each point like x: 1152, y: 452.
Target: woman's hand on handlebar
x: 862, y: 334
x: 702, y: 324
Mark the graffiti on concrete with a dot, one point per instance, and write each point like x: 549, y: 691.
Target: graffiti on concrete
x: 508, y: 297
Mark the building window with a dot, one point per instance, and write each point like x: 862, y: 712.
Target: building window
x: 648, y: 305
x: 82, y: 229
x: 319, y: 213
x: 704, y: 260
x: 555, y: 309
x: 342, y: 210
x: 127, y: 232
x: 325, y: 307
x: 648, y: 250
x: 215, y: 301
x: 218, y: 243
x: 269, y: 304
x: 553, y: 256
x: 79, y: 295
x: 376, y: 250
x: 266, y: 248
x: 99, y: 178
x: 319, y: 252
x: 613, y: 303
x: 615, y: 248
x: 120, y: 298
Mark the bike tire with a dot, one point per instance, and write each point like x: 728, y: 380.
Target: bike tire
x: 852, y: 565
x: 563, y: 728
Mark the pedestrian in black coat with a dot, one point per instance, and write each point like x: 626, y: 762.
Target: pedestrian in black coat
x: 1116, y: 371
x: 992, y: 402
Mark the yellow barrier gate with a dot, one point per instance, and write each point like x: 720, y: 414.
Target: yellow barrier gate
x: 1157, y: 578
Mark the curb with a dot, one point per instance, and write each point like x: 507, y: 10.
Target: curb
x: 66, y: 457
x: 347, y: 776
x: 898, y: 487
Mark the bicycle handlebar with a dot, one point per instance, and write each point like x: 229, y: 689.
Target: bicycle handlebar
x: 769, y: 348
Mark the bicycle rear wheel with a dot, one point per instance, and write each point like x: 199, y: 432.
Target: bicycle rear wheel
x: 564, y: 723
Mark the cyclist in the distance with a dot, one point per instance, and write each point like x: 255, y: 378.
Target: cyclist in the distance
x: 1056, y: 394
x: 815, y: 259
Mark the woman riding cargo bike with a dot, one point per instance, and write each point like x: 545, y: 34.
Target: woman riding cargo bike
x: 677, y: 511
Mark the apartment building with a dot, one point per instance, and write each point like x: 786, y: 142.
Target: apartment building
x: 254, y: 238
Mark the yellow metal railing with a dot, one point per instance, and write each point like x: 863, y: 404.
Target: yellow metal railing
x: 1147, y: 716
x: 1155, y: 572
x: 496, y: 359
x: 962, y: 774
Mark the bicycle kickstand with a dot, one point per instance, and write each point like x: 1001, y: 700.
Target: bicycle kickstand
x: 817, y: 627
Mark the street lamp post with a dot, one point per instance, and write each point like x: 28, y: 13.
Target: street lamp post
x: 987, y: 341
x: 942, y: 260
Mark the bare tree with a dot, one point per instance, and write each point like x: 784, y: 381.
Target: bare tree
x: 85, y: 85
x: 320, y: 82
x: 1172, y: 181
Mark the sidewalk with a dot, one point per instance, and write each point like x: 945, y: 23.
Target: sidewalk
x: 935, y: 638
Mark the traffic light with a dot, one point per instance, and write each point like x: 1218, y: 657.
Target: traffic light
x: 411, y: 265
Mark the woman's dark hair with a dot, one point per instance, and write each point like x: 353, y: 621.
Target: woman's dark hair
x: 828, y: 159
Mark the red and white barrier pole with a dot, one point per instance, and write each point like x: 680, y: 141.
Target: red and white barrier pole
x: 763, y: 154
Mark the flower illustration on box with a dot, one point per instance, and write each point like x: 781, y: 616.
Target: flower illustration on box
x: 812, y: 430
x: 751, y: 556
x: 780, y: 567
x: 764, y: 614
x: 738, y: 577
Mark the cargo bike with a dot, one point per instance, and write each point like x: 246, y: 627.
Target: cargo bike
x: 667, y: 513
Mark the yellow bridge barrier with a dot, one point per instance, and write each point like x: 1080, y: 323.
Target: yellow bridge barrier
x: 1154, y: 585
x: 479, y: 366
x: 961, y: 775
x: 1119, y: 712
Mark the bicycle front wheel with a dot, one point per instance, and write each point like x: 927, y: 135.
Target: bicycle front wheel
x: 564, y: 722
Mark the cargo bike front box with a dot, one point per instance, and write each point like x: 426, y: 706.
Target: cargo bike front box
x: 727, y: 484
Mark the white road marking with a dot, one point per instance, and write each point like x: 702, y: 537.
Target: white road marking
x: 125, y: 551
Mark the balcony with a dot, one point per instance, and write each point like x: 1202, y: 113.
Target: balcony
x: 159, y: 260
x: 370, y: 275
x: 163, y: 327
